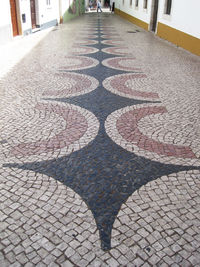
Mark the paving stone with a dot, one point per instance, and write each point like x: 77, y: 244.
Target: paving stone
x: 138, y: 262
x: 49, y: 259
x: 28, y: 264
x: 89, y: 148
x: 67, y: 264
x: 112, y: 262
x: 89, y: 256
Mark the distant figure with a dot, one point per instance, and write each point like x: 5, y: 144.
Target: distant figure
x: 99, y: 5
x: 90, y: 4
x: 112, y: 6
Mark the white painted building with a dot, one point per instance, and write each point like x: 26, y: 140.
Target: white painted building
x: 177, y: 21
x: 22, y: 17
x: 47, y: 13
x: 5, y: 22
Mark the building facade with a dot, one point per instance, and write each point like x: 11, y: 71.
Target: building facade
x: 22, y: 17
x: 177, y: 21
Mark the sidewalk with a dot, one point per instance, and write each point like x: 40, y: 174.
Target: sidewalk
x: 12, y: 52
x: 100, y: 149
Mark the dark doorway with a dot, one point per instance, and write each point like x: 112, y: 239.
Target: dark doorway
x: 33, y: 14
x: 154, y: 14
x: 14, y: 17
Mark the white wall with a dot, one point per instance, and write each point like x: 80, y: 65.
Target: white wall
x: 65, y: 5
x: 46, y: 13
x: 24, y: 8
x: 5, y: 22
x: 185, y: 16
x: 137, y: 12
x: 5, y: 13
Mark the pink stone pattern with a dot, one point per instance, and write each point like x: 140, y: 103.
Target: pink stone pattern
x: 79, y: 62
x: 88, y: 31
x: 112, y: 42
x: 89, y: 36
x: 76, y: 126
x: 128, y: 129
x: 69, y: 84
x: 107, y: 28
x: 89, y: 27
x: 121, y: 63
x: 121, y: 51
x: 86, y: 42
x: 81, y: 50
x: 109, y: 32
x: 118, y: 84
x: 112, y: 37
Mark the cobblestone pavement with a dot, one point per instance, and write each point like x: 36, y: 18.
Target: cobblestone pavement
x: 100, y: 150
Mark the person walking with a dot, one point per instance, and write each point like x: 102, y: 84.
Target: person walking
x: 112, y: 6
x: 99, y: 6
x: 90, y: 4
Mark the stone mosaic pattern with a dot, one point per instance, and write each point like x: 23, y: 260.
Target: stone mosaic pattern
x: 131, y: 85
x: 68, y: 84
x: 100, y: 162
x: 64, y: 128
x: 122, y: 63
x: 86, y: 42
x: 113, y: 42
x: 156, y: 222
x: 88, y: 35
x: 121, y: 51
x: 122, y: 127
x: 78, y: 63
x: 111, y: 36
x: 80, y: 50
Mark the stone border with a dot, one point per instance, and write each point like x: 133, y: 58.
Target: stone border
x: 112, y: 42
x: 58, y: 87
x: 117, y: 84
x: 89, y: 135
x: 116, y: 51
x: 113, y: 133
x: 86, y: 42
x: 114, y: 63
x: 83, y: 50
x: 86, y: 63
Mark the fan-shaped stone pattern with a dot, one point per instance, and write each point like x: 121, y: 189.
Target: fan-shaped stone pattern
x: 109, y: 28
x: 113, y: 42
x: 112, y: 37
x: 89, y: 36
x: 122, y: 63
x: 83, y: 50
x: 68, y: 84
x: 126, y: 248
x: 122, y: 127
x: 131, y: 85
x: 86, y: 42
x: 78, y: 63
x: 121, y: 51
x: 88, y: 31
x: 77, y: 127
x: 158, y: 225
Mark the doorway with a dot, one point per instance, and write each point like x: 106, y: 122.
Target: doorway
x: 13, y: 11
x: 33, y: 14
x: 154, y: 15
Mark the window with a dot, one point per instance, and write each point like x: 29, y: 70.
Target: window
x: 145, y: 4
x: 168, y: 5
x: 131, y: 2
x: 136, y: 3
